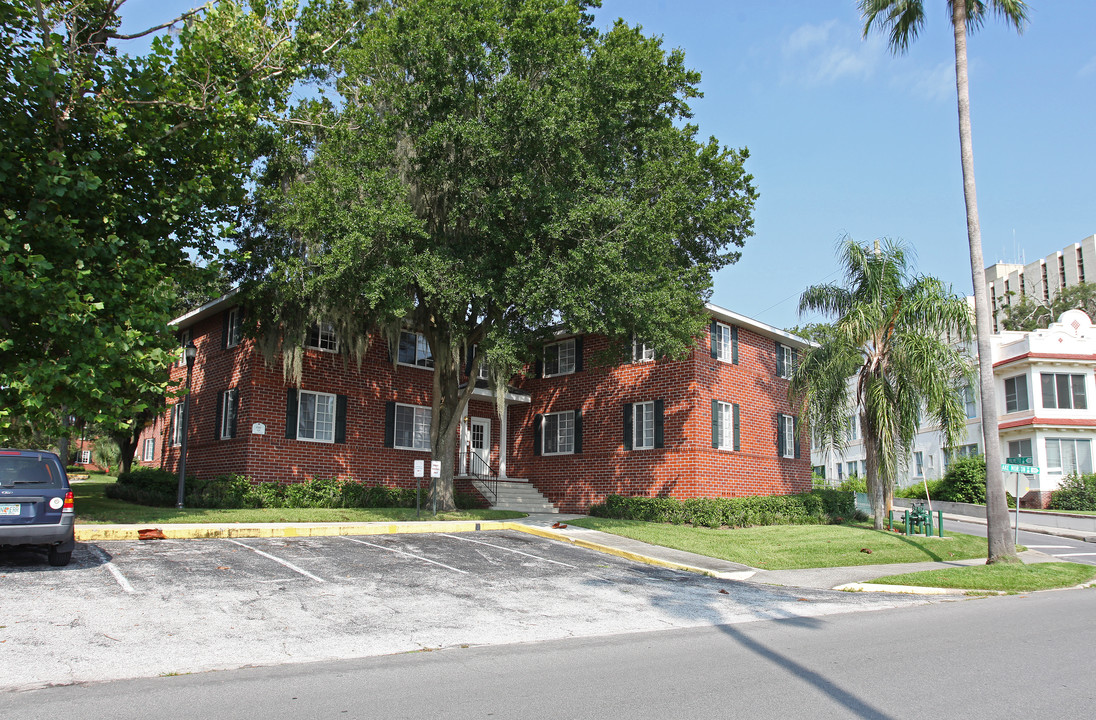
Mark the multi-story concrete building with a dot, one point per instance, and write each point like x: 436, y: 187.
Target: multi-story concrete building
x: 1006, y: 283
x: 717, y: 423
x: 1043, y: 381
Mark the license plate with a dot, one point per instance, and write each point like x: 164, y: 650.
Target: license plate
x: 10, y: 509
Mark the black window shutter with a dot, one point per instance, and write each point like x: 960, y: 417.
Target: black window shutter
x: 234, y: 403
x: 795, y: 361
x: 627, y: 426
x: 737, y: 440
x: 220, y: 408
x: 779, y: 360
x: 224, y: 329
x: 779, y: 435
x: 578, y: 354
x: 659, y: 426
x: 578, y: 432
x: 632, y: 345
x: 795, y: 435
x: 734, y: 344
x: 538, y: 421
x: 715, y: 423
x: 291, y: 413
x: 390, y: 424
x: 712, y: 337
x: 469, y: 356
x: 170, y: 427
x: 340, y: 418
x: 540, y: 367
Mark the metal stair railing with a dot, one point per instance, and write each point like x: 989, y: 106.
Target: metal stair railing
x: 488, y: 475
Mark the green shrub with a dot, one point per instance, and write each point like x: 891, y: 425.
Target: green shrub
x: 917, y: 490
x: 965, y: 481
x: 1075, y: 492
x: 854, y: 484
x: 815, y: 507
x: 146, y: 486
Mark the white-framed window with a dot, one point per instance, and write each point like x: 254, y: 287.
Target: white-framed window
x: 723, y: 426
x: 643, y: 425
x: 786, y: 360
x: 851, y: 466
x: 1063, y: 392
x: 1068, y: 456
x: 1016, y: 394
x: 558, y: 433
x: 85, y: 457
x: 148, y: 452
x: 184, y: 339
x: 315, y: 416
x: 233, y: 327
x: 786, y: 435
x: 177, y: 424
x: 1020, y: 448
x: 229, y: 407
x: 918, y: 464
x: 321, y: 336
x: 970, y: 405
x: 960, y: 452
x: 840, y: 471
x: 412, y: 430
x: 414, y: 350
x: 723, y: 342
x: 559, y: 358
x: 642, y: 352
x: 852, y: 425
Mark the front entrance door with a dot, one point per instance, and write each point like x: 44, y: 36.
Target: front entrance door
x: 479, y: 444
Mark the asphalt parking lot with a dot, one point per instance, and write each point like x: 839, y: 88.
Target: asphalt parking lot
x: 147, y: 608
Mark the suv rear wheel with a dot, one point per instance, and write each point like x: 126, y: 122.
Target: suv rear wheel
x: 58, y: 558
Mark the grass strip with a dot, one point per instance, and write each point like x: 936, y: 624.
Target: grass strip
x: 999, y: 577
x: 793, y: 547
x: 93, y: 507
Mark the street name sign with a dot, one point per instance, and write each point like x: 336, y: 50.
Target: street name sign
x: 1025, y: 469
x: 1019, y: 460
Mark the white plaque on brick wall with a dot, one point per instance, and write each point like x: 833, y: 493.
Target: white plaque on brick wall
x: 258, y: 429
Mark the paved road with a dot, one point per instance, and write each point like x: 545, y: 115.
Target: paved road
x: 141, y: 609
x: 1001, y: 657
x: 1066, y: 549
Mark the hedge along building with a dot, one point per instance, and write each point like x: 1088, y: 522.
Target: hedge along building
x: 717, y: 423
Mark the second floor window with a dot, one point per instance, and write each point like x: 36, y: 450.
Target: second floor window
x: 786, y: 360
x: 969, y: 403
x: 1016, y: 394
x: 1063, y: 392
x: 322, y: 337
x: 232, y: 328
x: 415, y: 350
x: 559, y: 358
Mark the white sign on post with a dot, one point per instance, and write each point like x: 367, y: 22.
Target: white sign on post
x: 419, y: 468
x: 435, y: 468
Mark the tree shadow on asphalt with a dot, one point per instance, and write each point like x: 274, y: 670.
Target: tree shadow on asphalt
x: 747, y: 596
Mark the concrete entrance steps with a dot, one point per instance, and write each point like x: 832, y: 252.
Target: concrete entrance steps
x: 517, y: 494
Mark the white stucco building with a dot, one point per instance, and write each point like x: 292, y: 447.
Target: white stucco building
x: 1006, y: 283
x: 1046, y: 389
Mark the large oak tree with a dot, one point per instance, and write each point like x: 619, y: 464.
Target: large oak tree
x: 487, y: 171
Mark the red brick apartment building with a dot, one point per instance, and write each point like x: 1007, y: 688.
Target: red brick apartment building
x: 715, y: 424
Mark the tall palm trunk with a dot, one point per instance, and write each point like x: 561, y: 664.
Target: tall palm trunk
x: 1001, y: 548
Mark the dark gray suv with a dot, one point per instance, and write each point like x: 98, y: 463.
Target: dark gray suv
x: 36, y: 504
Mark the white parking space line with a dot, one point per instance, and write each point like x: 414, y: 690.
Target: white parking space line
x: 278, y: 560
x: 500, y: 547
x: 97, y: 552
x: 401, y: 552
x: 1074, y: 554
x: 1049, y: 547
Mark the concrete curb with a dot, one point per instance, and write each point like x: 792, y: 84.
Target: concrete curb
x: 905, y: 589
x: 93, y: 533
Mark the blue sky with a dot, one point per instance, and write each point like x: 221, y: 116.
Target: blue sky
x: 846, y: 138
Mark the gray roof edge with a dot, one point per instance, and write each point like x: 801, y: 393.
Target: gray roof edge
x: 202, y: 312
x: 721, y: 313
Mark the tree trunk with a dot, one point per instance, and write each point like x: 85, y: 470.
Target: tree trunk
x: 875, y: 482
x: 448, y: 409
x: 1001, y: 547
x: 127, y: 447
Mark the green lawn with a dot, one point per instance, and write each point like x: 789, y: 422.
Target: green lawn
x: 791, y: 547
x: 93, y: 507
x: 1000, y: 577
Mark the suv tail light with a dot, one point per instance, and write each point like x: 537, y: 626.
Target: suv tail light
x: 69, y: 506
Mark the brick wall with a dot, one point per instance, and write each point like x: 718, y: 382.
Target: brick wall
x: 687, y: 465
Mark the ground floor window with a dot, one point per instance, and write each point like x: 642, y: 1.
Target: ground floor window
x: 918, y: 464
x: 1020, y: 448
x: 1069, y: 457
x: 316, y: 416
x: 85, y: 456
x: 559, y: 433
x: 412, y: 427
x: 149, y: 451
x: 177, y: 424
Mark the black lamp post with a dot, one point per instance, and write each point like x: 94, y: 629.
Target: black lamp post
x: 189, y: 352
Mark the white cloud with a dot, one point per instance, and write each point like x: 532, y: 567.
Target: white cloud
x: 934, y: 84
x: 1088, y: 68
x: 823, y: 54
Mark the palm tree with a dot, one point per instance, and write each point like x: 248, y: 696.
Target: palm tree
x: 891, y: 333
x: 902, y: 20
